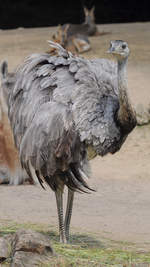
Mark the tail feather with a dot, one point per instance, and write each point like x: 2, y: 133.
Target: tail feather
x: 31, y: 172
x: 73, y: 183
x: 80, y: 176
x: 40, y: 180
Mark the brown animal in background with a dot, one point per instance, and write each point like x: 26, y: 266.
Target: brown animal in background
x: 88, y: 27
x: 74, y: 37
x: 10, y: 168
x: 76, y: 43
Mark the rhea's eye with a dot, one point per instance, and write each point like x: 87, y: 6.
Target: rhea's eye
x: 124, y: 46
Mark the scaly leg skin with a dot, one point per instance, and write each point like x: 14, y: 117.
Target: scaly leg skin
x: 68, y: 212
x: 59, y: 201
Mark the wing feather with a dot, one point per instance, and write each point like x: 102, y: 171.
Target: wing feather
x: 45, y: 136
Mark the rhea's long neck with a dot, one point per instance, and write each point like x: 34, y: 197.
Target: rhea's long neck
x: 122, y: 79
x: 126, y: 115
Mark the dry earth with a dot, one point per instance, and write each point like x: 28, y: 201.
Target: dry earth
x: 120, y: 208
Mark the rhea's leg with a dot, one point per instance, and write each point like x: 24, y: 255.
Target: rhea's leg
x: 68, y: 212
x: 59, y: 201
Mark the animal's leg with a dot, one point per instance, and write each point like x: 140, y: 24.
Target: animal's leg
x: 81, y: 45
x: 68, y: 212
x: 77, y: 45
x: 59, y: 201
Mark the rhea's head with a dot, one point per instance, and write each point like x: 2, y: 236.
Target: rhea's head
x: 119, y: 49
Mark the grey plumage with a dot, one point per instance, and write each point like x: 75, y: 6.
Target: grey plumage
x: 58, y: 106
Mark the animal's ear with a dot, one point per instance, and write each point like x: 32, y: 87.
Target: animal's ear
x: 91, y: 12
x: 4, y: 69
x: 65, y: 30
x: 92, y: 9
x: 58, y: 34
x: 59, y: 27
x: 59, y: 31
x: 86, y: 11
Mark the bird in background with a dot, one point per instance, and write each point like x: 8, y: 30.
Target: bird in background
x: 61, y: 105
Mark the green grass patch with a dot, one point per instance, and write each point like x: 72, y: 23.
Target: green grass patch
x: 84, y: 249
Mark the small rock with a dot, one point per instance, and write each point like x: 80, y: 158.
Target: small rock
x: 29, y: 248
x: 28, y: 259
x: 143, y: 115
x: 31, y: 241
x: 4, y: 249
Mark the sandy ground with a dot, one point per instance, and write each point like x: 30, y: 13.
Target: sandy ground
x: 120, y: 207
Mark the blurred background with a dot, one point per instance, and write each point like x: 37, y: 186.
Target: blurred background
x: 38, y: 13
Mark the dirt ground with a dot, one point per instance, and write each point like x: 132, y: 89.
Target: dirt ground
x: 120, y: 207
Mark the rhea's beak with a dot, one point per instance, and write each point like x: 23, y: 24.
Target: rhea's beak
x: 111, y: 50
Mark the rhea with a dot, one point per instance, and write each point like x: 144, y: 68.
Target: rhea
x: 61, y: 105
